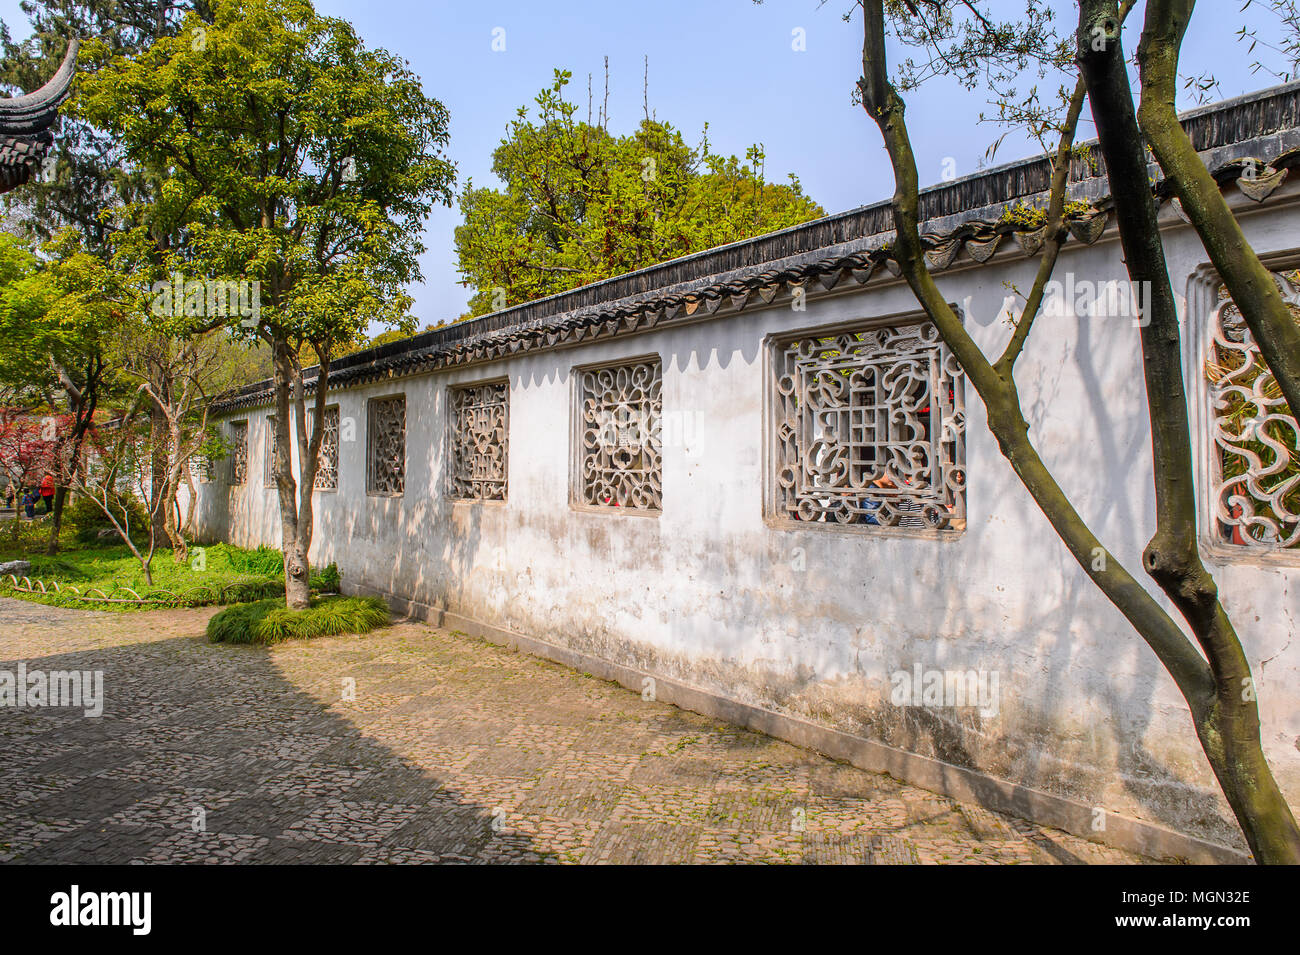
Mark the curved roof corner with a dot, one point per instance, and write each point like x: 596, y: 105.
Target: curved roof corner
x: 25, y: 121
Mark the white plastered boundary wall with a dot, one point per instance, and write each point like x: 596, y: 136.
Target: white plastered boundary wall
x: 797, y: 631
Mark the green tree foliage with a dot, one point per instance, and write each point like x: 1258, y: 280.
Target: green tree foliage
x: 61, y: 318
x: 85, y: 180
x: 581, y: 204
x: 291, y: 156
x: 87, y: 171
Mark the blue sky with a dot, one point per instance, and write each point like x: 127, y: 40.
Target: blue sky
x: 729, y: 63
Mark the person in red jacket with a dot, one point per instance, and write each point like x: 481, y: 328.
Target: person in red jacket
x: 47, y: 491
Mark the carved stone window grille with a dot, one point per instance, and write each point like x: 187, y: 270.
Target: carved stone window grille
x: 386, y: 446
x: 620, y: 451
x: 238, y: 452
x: 1254, y: 462
x: 870, y: 430
x: 480, y: 432
x: 268, y: 459
x: 327, y: 470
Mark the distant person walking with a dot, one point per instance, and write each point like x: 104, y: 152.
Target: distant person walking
x: 47, y: 491
x: 29, y: 504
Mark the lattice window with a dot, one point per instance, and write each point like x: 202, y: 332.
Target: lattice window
x: 620, y: 461
x: 479, y: 436
x: 870, y: 429
x: 386, y: 443
x: 1255, y: 467
x: 327, y: 470
x: 268, y: 458
x: 238, y: 452
x: 201, y: 468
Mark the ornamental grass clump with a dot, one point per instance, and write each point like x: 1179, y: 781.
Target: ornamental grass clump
x: 266, y: 622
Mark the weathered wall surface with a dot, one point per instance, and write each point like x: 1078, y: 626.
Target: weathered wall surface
x: 814, y: 621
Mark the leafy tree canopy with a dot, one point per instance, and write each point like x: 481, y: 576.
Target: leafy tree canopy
x: 297, y: 167
x: 581, y: 204
x: 59, y: 317
x: 88, y: 172
x: 290, y: 154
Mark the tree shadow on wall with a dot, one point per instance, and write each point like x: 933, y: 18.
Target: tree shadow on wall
x: 1056, y: 661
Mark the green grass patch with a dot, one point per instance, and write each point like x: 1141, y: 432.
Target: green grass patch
x: 219, y: 574
x: 268, y: 621
x: 84, y: 577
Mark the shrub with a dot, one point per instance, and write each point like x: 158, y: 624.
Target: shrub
x: 263, y: 562
x: 20, y: 538
x: 60, y: 568
x: 269, y: 621
x: 326, y: 580
x: 227, y: 590
x: 85, y: 518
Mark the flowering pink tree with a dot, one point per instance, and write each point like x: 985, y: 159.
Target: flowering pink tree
x: 28, y: 449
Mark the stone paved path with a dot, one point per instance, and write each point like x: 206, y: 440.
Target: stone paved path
x: 452, y: 750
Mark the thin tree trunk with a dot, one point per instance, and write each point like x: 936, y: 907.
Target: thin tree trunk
x: 171, y: 519
x: 998, y: 393
x: 1251, y: 285
x: 296, y: 524
x: 1228, y: 747
x: 296, y: 570
x: 1228, y: 726
x: 310, y: 443
x: 191, y: 504
x: 158, y: 470
x: 82, y: 402
x: 108, y: 483
x: 124, y: 531
x: 56, y: 522
x: 295, y: 511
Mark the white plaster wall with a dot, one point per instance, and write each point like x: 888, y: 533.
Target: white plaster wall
x: 813, y: 621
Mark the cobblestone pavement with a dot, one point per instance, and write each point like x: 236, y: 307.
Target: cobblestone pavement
x: 452, y: 750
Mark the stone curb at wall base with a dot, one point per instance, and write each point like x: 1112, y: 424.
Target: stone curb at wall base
x: 965, y: 785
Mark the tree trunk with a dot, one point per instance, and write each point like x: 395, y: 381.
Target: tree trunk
x: 297, y: 590
x: 1229, y: 734
x: 158, y: 471
x: 293, y: 543
x: 123, y: 529
x: 191, y: 504
x: 998, y: 391
x: 56, y: 522
x: 1252, y: 287
x: 1228, y: 723
x: 177, y: 463
x: 171, y: 521
x: 83, y: 403
x: 180, y: 549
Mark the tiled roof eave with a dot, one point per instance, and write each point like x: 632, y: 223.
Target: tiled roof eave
x: 972, y: 237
